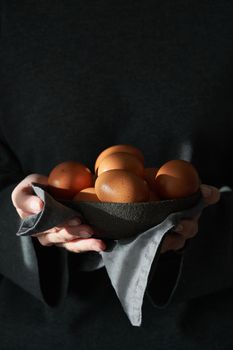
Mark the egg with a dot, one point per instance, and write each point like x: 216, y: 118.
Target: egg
x: 86, y: 195
x: 121, y: 186
x: 176, y: 179
x: 124, y: 161
x: 150, y: 174
x: 68, y: 178
x: 119, y: 148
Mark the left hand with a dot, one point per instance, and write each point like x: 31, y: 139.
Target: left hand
x: 188, y: 228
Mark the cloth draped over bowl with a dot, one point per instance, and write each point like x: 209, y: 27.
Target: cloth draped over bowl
x: 129, y: 255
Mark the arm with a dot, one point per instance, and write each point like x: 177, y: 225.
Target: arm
x: 37, y: 264
x: 18, y: 260
x: 208, y: 262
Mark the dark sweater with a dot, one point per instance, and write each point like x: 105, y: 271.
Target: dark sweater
x: 77, y: 77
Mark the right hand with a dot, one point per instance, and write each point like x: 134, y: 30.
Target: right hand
x: 188, y: 228
x: 73, y: 235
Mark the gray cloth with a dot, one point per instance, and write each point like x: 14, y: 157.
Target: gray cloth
x: 128, y: 261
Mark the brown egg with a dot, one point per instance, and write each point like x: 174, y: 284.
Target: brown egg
x: 119, y: 148
x: 123, y: 161
x: 176, y: 179
x: 150, y: 174
x: 86, y: 195
x: 121, y: 186
x: 68, y: 178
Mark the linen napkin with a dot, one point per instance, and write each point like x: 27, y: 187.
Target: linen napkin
x: 127, y: 260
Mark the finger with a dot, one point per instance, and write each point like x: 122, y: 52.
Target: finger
x: 59, y: 234
x: 25, y: 186
x: 173, y: 241
x: 210, y: 194
x: 63, y: 235
x: 71, y: 226
x: 79, y: 230
x: 84, y: 245
x: 187, y: 228
x: 43, y: 241
x: 23, y: 197
x: 82, y: 230
x: 23, y: 214
x: 51, y: 230
x: 54, y: 238
x: 29, y: 205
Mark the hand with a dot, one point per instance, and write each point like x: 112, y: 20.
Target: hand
x: 73, y: 235
x: 188, y: 228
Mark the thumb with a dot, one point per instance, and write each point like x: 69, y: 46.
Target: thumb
x: 210, y: 194
x: 23, y: 197
x: 30, y: 205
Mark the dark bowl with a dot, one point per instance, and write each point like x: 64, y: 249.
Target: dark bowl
x: 124, y: 220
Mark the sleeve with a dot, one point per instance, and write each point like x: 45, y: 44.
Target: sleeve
x: 205, y: 266
x: 41, y: 271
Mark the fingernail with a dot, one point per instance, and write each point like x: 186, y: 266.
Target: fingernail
x: 85, y: 234
x: 74, y: 222
x: 206, y: 191
x: 179, y: 228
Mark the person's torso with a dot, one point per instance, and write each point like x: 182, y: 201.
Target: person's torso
x: 80, y: 77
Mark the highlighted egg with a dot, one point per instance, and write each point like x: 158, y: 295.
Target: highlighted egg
x: 121, y: 186
x: 176, y: 179
x: 68, y: 178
